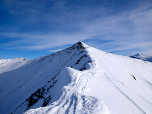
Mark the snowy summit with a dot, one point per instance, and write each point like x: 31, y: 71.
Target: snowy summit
x: 77, y: 80
x: 142, y: 57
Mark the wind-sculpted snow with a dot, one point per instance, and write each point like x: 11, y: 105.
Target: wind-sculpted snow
x: 73, y: 101
x: 77, y: 80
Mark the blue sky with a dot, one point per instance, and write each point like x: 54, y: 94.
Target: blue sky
x: 33, y: 28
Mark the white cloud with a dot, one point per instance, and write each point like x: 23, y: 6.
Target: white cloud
x: 127, y: 30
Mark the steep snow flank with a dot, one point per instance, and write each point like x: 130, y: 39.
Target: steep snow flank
x: 142, y: 57
x: 124, y: 83
x: 78, y: 80
x: 38, y: 82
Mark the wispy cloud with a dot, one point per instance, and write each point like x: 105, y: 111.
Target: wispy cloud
x: 60, y: 24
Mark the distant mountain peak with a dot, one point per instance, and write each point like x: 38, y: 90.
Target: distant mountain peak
x: 137, y: 55
x: 142, y: 57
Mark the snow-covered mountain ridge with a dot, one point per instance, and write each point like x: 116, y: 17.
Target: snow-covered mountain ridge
x: 80, y: 80
x: 10, y: 63
x: 142, y: 57
x: 14, y: 59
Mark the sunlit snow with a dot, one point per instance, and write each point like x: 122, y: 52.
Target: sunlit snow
x: 78, y: 80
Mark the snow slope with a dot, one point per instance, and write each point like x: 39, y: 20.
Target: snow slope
x: 10, y: 64
x: 78, y: 80
x: 142, y: 57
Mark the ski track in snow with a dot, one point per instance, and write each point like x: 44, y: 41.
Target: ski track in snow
x: 126, y: 95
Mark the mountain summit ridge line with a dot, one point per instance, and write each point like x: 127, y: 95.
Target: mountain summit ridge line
x: 79, y: 79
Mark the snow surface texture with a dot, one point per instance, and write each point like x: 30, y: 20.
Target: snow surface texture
x: 142, y: 57
x: 78, y: 80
